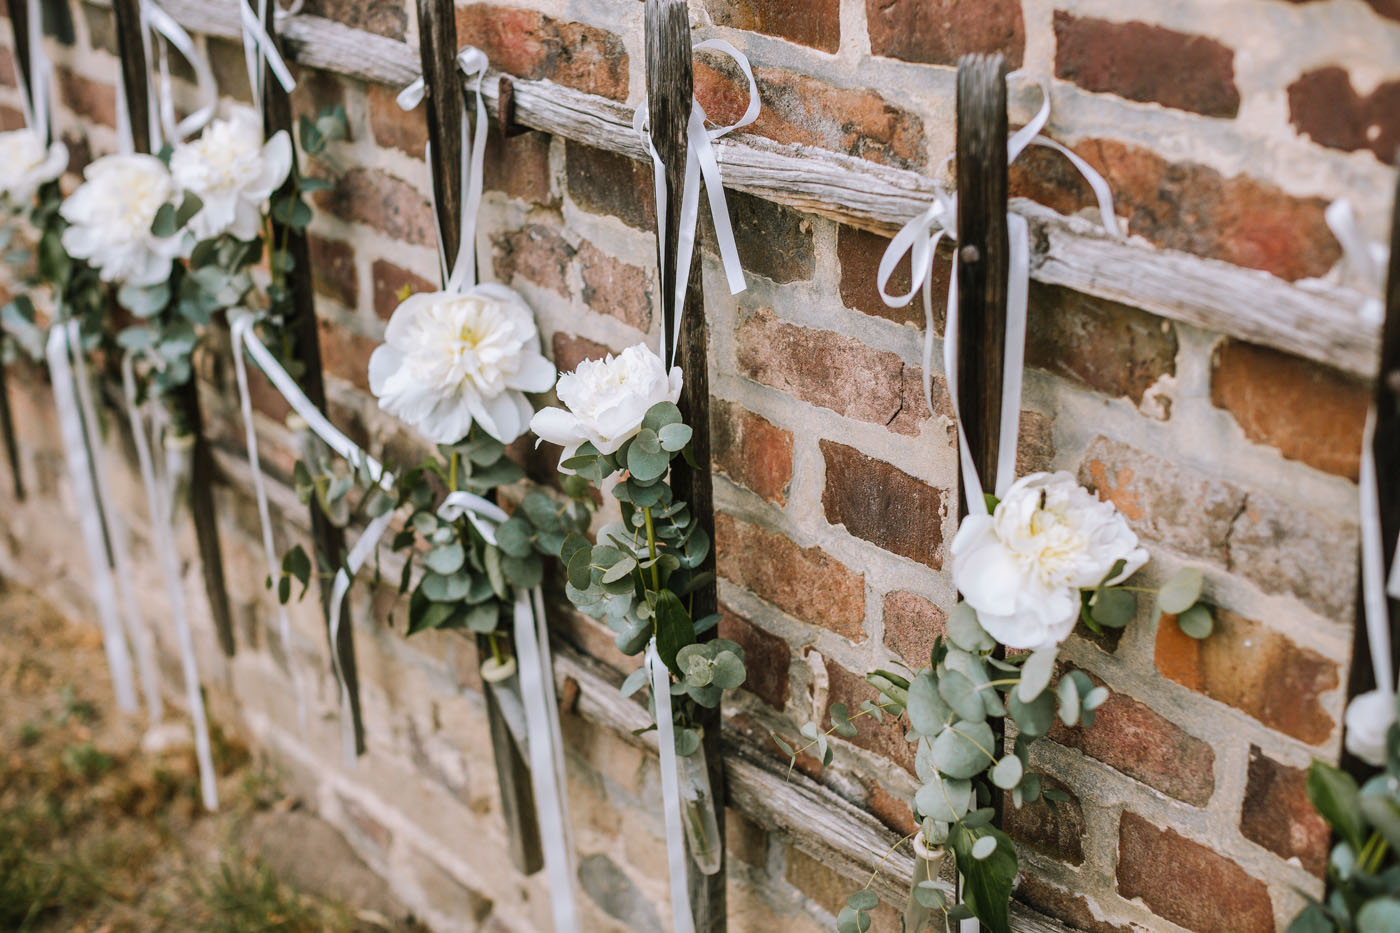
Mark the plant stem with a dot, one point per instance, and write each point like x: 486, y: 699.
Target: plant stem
x: 651, y: 549
x: 881, y: 864
x: 452, y: 471
x: 495, y: 647
x: 865, y: 712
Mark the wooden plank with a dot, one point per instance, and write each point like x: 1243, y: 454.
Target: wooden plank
x: 306, y: 349
x: 19, y: 24
x: 183, y: 401
x: 670, y: 95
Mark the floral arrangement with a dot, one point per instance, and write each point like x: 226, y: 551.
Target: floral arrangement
x: 1045, y: 558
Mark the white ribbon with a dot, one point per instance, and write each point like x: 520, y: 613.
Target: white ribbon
x: 260, y: 50
x: 920, y: 238
x: 163, y: 126
x: 461, y: 273
x: 1366, y: 258
x: 36, y: 87
x: 700, y: 161
x: 681, y: 919
x: 1373, y: 589
x: 162, y: 513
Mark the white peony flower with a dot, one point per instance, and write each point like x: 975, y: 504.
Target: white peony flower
x: 233, y: 172
x: 452, y: 359
x: 1369, y: 717
x: 607, y: 400
x: 26, y: 163
x: 1022, y: 567
x: 111, y: 214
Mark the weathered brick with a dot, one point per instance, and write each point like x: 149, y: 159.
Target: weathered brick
x: 1254, y: 669
x: 1286, y: 548
x: 804, y: 582
x: 751, y: 450
x: 1310, y: 412
x: 1189, y: 207
x: 773, y: 241
x: 569, y: 351
x: 1072, y: 908
x: 1324, y: 106
x: 1109, y: 347
x: 91, y: 99
x: 608, y: 183
x: 230, y: 69
x: 388, y: 204
x: 533, y: 45
x: 382, y: 17
x: 745, y: 839
x: 611, y: 286
x: 536, y: 253
x: 893, y: 811
x: 344, y: 353
x: 518, y: 166
x: 816, y: 23
x: 1147, y: 63
x: 1278, y: 815
x: 801, y: 109
x: 767, y: 657
x: 12, y: 118
x: 333, y: 269
x: 7, y: 67
x: 1130, y: 736
x: 405, y: 130
x: 912, y: 623
x: 1057, y: 831
x: 389, y: 284
x: 616, y: 894
x: 939, y: 32
x: 1035, y: 450
x: 1188, y: 883
x: 830, y: 370
x: 885, y: 738
x: 319, y: 91
x: 882, y: 504
x: 859, y: 253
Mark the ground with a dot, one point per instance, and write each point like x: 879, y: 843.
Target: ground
x: 97, y: 835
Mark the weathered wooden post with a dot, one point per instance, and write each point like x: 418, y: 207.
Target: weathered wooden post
x: 185, y: 400
x: 437, y: 31
x: 670, y: 96
x: 300, y: 323
x: 19, y: 25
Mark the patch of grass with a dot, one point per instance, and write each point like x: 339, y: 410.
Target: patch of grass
x: 245, y: 897
x: 87, y: 761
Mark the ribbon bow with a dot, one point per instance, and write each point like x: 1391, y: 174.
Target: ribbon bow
x: 259, y: 49
x: 167, y: 129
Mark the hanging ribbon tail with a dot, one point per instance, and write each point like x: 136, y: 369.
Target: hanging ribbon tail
x: 681, y: 919
x: 1373, y: 590
x: 80, y: 472
x: 36, y: 88
x: 175, y: 35
x: 1365, y: 258
x: 260, y: 50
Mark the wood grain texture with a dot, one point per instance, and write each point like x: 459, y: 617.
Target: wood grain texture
x: 19, y: 23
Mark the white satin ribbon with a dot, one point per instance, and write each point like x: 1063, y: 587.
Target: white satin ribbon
x: 1373, y: 589
x: 1366, y: 258
x: 260, y: 50
x: 36, y: 87
x: 681, y: 919
x: 920, y: 238
x: 460, y: 274
x: 700, y: 161
x: 162, y: 512
x: 164, y: 127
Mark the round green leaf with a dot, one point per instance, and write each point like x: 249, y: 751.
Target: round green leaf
x: 647, y: 440
x: 524, y: 573
x: 927, y: 712
x: 1069, y: 701
x: 619, y: 570
x: 1113, y: 608
x: 687, y: 742
x: 446, y: 589
x: 646, y: 467
x: 513, y: 537
x: 580, y: 570
x: 959, y: 693
x: 660, y: 415
x: 984, y: 847
x: 674, y: 436
x: 863, y: 900
x: 1095, y: 698
x: 1181, y: 592
x: 1035, y: 674
x: 930, y: 895
x: 1007, y: 773
x: 851, y: 920
x: 1033, y: 718
x: 729, y: 671
x: 1197, y: 621
x: 483, y: 618
x: 447, y: 559
x: 945, y: 800
x: 1381, y: 915
x: 963, y: 750
x: 966, y: 632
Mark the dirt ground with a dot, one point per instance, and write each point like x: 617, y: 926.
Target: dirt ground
x: 97, y: 835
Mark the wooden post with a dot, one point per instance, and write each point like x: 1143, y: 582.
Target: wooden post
x: 306, y: 349
x: 184, y: 401
x: 670, y: 93
x: 1387, y: 453
x: 437, y: 30
x: 19, y: 23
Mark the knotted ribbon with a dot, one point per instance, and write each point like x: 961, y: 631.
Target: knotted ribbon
x: 260, y: 50
x: 700, y: 161
x: 166, y: 128
x: 920, y: 238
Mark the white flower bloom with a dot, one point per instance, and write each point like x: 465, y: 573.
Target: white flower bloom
x: 1368, y: 719
x: 111, y: 214
x: 1022, y: 567
x: 450, y: 359
x: 607, y: 400
x: 233, y: 172
x: 26, y: 163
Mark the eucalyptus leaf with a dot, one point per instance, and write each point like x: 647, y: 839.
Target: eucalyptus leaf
x: 619, y: 570
x: 729, y: 671
x: 1035, y: 674
x: 1381, y: 915
x: 674, y: 436
x: 1180, y: 592
x: 945, y: 800
x: 660, y: 415
x: 1007, y: 773
x: 928, y: 713
x: 523, y: 573
x: 962, y: 750
x: 513, y: 536
x: 580, y: 568
x: 1113, y: 608
x: 863, y: 900
x: 961, y: 695
x: 966, y: 632
x: 850, y: 920
x: 1069, y: 701
x: 1197, y: 621
x: 983, y: 848
x: 446, y: 559
x: 445, y: 589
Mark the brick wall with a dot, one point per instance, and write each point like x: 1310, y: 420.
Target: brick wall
x: 1224, y: 130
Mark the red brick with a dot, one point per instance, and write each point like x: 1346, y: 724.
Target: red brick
x: 569, y: 351
x: 1310, y: 412
x: 893, y: 811
x: 767, y: 658
x: 405, y: 130
x: 537, y: 254
x: 1190, y: 207
x: 1076, y: 910
x: 1147, y: 63
x: 333, y: 269
x: 13, y: 119
x: 607, y: 183
x: 611, y: 286
x: 882, y: 504
x: 1108, y: 347
x: 939, y: 32
x: 912, y: 624
x: 1056, y: 831
x: 533, y: 45
x: 1254, y: 669
x: 1324, y: 106
x: 266, y: 398
x: 382, y: 17
x: 7, y: 67
x: 885, y: 738
x: 773, y: 241
x: 859, y: 253
x: 816, y: 23
x: 388, y: 204
x: 806, y: 583
x: 1290, y: 549
x: 801, y: 109
x: 230, y: 70
x: 1278, y: 815
x: 751, y: 450
x: 389, y: 284
x: 1187, y: 883
x: 519, y: 166
x: 1130, y: 736
x: 87, y: 98
x: 827, y: 369
x: 345, y: 354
